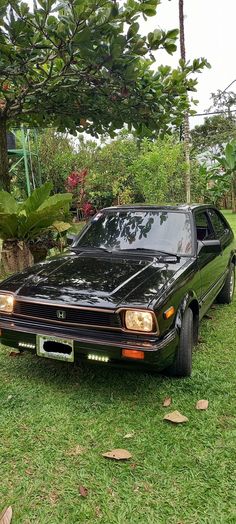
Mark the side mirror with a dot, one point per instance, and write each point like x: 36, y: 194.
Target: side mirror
x: 70, y: 239
x: 209, y: 246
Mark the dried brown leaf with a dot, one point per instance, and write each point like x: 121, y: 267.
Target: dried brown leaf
x: 83, y: 491
x: 118, y: 454
x: 208, y: 317
x: 202, y: 404
x: 167, y: 402
x: 15, y: 354
x: 176, y: 417
x: 6, y: 516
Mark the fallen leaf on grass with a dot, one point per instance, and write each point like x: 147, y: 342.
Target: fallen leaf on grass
x: 78, y: 450
x: 167, y: 402
x: 6, y: 516
x: 202, y: 404
x: 118, y: 454
x: 15, y: 354
x: 83, y: 491
x: 175, y: 417
x: 129, y: 435
x: 9, y: 397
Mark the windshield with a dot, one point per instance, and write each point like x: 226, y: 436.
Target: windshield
x: 134, y: 229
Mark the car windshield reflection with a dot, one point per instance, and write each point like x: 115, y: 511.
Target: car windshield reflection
x: 162, y: 231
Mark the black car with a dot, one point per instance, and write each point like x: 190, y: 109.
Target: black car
x: 132, y: 289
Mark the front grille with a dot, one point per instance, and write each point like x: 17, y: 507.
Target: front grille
x: 72, y: 315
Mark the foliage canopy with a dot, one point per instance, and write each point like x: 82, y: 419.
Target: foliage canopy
x: 84, y: 65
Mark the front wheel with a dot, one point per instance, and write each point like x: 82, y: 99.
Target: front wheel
x: 226, y: 295
x: 182, y: 365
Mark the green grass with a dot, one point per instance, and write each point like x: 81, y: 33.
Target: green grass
x: 178, y: 474
x: 231, y: 219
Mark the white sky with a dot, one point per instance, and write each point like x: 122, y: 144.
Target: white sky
x: 210, y: 28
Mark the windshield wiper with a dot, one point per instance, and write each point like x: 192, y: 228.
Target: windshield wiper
x: 150, y: 250
x: 90, y: 248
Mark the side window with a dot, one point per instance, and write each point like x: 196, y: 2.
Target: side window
x: 219, y: 225
x: 203, y: 226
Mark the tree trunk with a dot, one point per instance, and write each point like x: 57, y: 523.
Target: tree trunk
x: 4, y: 164
x: 186, y: 116
x: 234, y: 193
x: 16, y: 256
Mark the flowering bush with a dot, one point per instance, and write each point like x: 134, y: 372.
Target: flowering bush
x: 88, y: 209
x: 75, y: 184
x: 75, y: 179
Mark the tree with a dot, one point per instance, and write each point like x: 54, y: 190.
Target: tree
x: 211, y: 137
x: 110, y: 178
x: 56, y: 157
x: 83, y: 65
x: 225, y: 102
x: 159, y: 170
x: 186, y: 115
x: 228, y: 164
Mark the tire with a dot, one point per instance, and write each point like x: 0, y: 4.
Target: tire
x: 182, y: 366
x: 226, y: 295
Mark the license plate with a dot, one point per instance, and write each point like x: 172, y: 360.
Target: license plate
x: 56, y: 348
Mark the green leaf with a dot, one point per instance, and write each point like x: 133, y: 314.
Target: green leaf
x: 170, y: 48
x: 230, y: 156
x: 172, y: 34
x: 56, y: 202
x: 61, y: 226
x: 8, y: 226
x: 7, y: 203
x: 38, y: 197
x: 133, y: 29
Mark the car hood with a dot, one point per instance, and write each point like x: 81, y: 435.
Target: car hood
x: 86, y: 280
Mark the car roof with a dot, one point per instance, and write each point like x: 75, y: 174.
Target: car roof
x: 145, y: 207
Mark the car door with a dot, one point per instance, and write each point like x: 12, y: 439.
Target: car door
x: 209, y: 264
x: 223, y: 233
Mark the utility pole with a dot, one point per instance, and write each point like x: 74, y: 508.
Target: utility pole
x: 186, y: 129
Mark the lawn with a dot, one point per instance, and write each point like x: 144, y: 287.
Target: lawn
x: 56, y: 421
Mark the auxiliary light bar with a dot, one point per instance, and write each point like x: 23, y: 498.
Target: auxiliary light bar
x: 98, y: 358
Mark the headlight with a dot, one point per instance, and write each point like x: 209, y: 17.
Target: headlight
x: 139, y: 321
x: 6, y: 303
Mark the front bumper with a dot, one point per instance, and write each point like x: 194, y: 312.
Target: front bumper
x: 158, y: 352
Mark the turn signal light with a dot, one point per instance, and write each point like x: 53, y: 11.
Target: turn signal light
x: 169, y: 312
x: 133, y: 353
